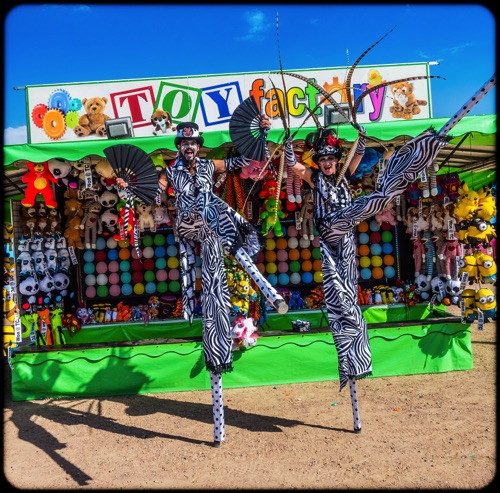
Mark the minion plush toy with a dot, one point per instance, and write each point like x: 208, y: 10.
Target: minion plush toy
x: 468, y: 296
x: 486, y: 302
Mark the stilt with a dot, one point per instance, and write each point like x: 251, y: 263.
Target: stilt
x: 354, y: 402
x: 218, y: 408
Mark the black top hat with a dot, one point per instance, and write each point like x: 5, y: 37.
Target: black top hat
x: 188, y: 130
x: 324, y: 143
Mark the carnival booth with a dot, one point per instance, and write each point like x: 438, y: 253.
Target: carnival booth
x: 92, y: 292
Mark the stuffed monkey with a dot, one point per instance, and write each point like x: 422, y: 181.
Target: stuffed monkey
x: 92, y: 224
x: 306, y: 216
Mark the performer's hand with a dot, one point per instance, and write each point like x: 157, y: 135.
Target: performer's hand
x: 265, y: 123
x: 360, y: 128
x: 121, y: 183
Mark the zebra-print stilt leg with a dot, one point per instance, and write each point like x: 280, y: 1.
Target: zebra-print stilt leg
x: 218, y: 408
x: 354, y: 402
x: 267, y: 290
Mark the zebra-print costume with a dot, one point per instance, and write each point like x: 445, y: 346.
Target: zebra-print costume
x: 204, y: 218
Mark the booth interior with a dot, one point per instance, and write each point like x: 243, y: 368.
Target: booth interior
x: 88, y: 311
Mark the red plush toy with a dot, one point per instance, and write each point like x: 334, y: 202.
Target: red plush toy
x: 38, y: 179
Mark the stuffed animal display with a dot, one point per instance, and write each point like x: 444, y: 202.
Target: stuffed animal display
x: 39, y: 181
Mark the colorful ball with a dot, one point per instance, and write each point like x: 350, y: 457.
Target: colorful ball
x: 385, y: 226
x: 147, y: 241
x: 197, y: 261
x: 293, y: 242
x: 377, y: 273
x: 171, y: 239
x: 318, y: 277
x: 363, y: 250
x: 374, y: 226
x: 102, y: 279
x: 174, y: 274
x: 136, y: 254
x: 149, y: 276
x: 317, y: 265
x: 127, y: 289
x: 270, y: 256
x: 363, y: 238
x: 364, y: 261
x: 148, y: 252
x: 377, y: 261
x: 173, y: 262
x: 162, y: 287
x: 111, y: 242
x: 149, y: 264
x: 171, y: 251
x: 295, y: 278
x: 282, y: 255
x: 115, y: 290
x: 160, y: 263
x: 271, y: 268
x: 270, y: 244
x: 137, y: 276
x: 305, y: 254
x: 102, y: 291
x: 375, y: 249
x: 388, y: 260
x: 139, y: 288
x: 272, y: 279
x: 363, y: 227
x: 315, y: 243
x: 305, y: 243
x: 282, y: 267
x: 307, y: 266
x: 89, y: 255
x: 161, y: 275
x: 316, y: 253
x: 124, y: 265
x: 90, y: 280
x: 387, y: 248
x: 261, y: 267
x: 124, y: 243
x: 90, y: 292
x: 307, y: 277
x: 114, y: 266
x: 366, y: 273
x: 174, y: 286
x: 292, y: 231
x: 294, y: 266
x: 387, y: 236
x: 125, y: 277
x: 260, y: 257
x: 281, y: 243
x: 389, y: 272
x: 159, y: 239
x: 375, y: 237
x: 100, y: 243
x: 113, y: 254
x: 284, y: 279
x: 294, y: 254
x: 100, y: 256
x: 114, y: 278
x: 150, y: 288
x: 101, y: 267
x: 89, y: 268
x: 137, y: 265
x: 124, y: 253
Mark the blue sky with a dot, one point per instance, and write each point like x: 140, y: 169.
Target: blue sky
x: 52, y: 44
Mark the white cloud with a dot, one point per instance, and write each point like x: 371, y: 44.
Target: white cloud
x: 14, y: 136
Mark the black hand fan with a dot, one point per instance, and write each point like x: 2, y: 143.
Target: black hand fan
x: 136, y: 168
x: 245, y: 131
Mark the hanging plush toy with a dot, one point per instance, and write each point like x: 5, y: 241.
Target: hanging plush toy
x: 243, y: 333
x: 486, y: 301
x: 39, y: 181
x: 92, y: 224
x: 271, y: 217
x: 306, y: 217
x: 72, y: 233
x: 467, y: 203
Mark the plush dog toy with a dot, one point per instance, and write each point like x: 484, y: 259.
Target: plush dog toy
x: 162, y: 122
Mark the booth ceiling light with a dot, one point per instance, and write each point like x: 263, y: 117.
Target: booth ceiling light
x: 119, y: 128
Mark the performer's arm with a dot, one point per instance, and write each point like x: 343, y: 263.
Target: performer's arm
x: 359, y: 152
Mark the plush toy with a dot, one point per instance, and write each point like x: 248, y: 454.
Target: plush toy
x: 41, y: 219
x: 242, y: 295
x: 487, y: 268
x: 269, y: 189
x: 109, y: 221
x: 92, y: 224
x: 485, y: 300
x: 438, y: 289
x: 271, y: 217
x: 254, y: 171
x: 469, y: 264
x: 60, y: 169
x: 306, y: 217
x: 124, y: 312
x: 145, y: 217
x: 28, y: 221
x: 467, y: 203
x: 292, y: 186
x: 92, y: 122
x: 486, y: 208
x: 243, y: 333
x: 104, y: 170
x: 387, y: 215
x: 162, y: 122
x: 449, y: 253
x: 108, y: 199
x: 54, y: 223
x: 453, y: 290
x: 73, y: 207
x: 469, y: 299
x: 72, y: 233
x: 479, y: 232
x: 161, y: 216
x: 63, y: 261
x: 418, y: 253
x: 38, y: 180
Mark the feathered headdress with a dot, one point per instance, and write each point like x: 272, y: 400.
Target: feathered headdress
x: 324, y: 143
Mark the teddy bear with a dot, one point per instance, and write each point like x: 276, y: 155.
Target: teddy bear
x: 271, y: 217
x: 73, y: 207
x: 161, y: 121
x: 72, y: 232
x: 306, y: 217
x: 92, y: 224
x: 145, y: 217
x: 93, y: 120
x: 38, y: 179
x: 387, y: 215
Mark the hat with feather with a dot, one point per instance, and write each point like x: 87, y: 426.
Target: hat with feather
x: 324, y: 143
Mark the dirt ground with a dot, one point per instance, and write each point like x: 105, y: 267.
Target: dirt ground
x: 419, y: 432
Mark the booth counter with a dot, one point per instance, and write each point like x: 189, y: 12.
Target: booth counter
x: 167, y: 356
